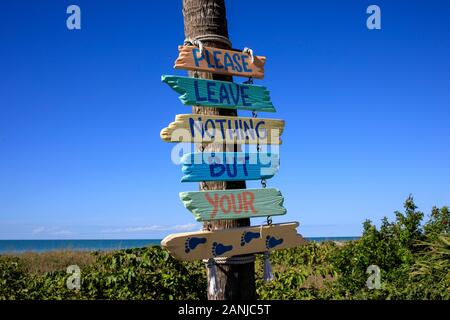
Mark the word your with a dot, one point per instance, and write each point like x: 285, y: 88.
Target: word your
x: 374, y: 20
x: 74, y: 20
x: 236, y: 61
x: 374, y: 280
x: 227, y: 203
x: 232, y: 94
x: 73, y: 281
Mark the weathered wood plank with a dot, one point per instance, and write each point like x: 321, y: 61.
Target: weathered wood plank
x: 231, y: 242
x: 223, y: 129
x: 220, y: 61
x: 228, y: 166
x: 233, y: 204
x: 220, y: 94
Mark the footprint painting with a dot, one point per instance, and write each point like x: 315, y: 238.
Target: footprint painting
x: 192, y: 243
x: 248, y: 236
x: 219, y: 249
x: 272, y: 242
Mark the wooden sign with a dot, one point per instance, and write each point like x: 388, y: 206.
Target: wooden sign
x: 231, y: 242
x: 221, y: 61
x: 228, y: 166
x: 233, y: 203
x: 207, y: 128
x: 220, y: 94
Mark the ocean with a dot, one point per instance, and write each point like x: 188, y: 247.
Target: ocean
x: 18, y: 246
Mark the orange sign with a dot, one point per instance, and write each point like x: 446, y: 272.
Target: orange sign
x: 235, y: 63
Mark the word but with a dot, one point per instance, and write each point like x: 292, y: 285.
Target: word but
x: 217, y: 169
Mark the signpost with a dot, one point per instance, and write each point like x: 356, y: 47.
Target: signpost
x: 227, y: 237
x: 222, y: 94
x: 233, y: 204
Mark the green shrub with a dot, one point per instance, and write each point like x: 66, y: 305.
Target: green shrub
x: 14, y: 280
x: 394, y: 249
x: 149, y: 273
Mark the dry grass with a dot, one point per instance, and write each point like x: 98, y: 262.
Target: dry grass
x: 313, y: 281
x: 39, y: 263
x: 317, y: 281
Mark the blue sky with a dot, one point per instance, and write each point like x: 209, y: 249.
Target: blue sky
x: 366, y: 113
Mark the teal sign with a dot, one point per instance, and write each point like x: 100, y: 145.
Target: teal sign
x: 220, y: 94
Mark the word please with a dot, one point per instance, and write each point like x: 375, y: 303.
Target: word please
x: 227, y: 203
x: 236, y: 61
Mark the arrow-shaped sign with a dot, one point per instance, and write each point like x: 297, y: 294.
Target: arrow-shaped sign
x: 228, y: 166
x: 233, y: 203
x: 220, y: 94
x: 207, y: 128
x: 230, y: 242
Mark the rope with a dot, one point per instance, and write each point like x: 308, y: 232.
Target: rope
x: 198, y: 42
x: 194, y: 42
x: 207, y: 226
x: 213, y: 288
x: 209, y: 37
x: 232, y: 260
x: 250, y: 53
x: 268, y: 275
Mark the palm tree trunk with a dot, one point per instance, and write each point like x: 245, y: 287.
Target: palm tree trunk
x: 208, y: 17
